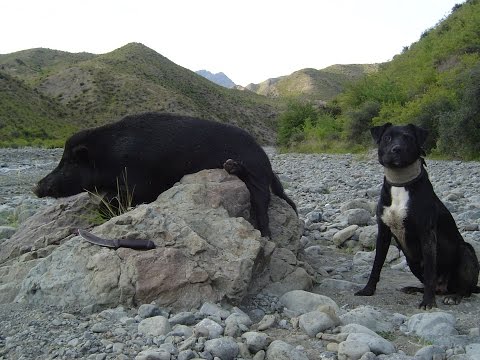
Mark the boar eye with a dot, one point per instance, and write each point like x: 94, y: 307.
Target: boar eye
x: 80, y: 153
x: 387, y: 138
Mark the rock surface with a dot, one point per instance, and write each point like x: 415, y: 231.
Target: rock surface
x: 205, y: 250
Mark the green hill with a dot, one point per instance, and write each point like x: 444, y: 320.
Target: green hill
x: 97, y: 89
x: 434, y: 83
x: 28, y: 117
x: 311, y: 84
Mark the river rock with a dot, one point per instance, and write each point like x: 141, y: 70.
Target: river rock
x: 301, y: 302
x: 359, y: 217
x: 431, y: 325
x: 236, y: 323
x: 214, y: 329
x: 225, y: 348
x: 369, y: 317
x: 192, y: 225
x: 153, y: 354
x: 314, y: 322
x: 154, y: 326
x: 343, y: 235
x: 376, y: 343
x: 352, y: 350
x: 368, y: 236
x: 148, y: 310
x: 214, y: 310
x: 280, y: 350
x: 256, y: 341
x: 359, y: 203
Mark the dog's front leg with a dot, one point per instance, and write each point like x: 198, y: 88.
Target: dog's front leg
x: 383, y: 242
x: 429, y: 254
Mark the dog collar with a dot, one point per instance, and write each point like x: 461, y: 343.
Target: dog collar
x: 405, y: 176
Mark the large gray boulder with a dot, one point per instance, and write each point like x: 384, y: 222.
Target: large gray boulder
x: 206, y: 250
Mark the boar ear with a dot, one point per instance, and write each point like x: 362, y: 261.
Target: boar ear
x: 80, y: 153
x: 377, y: 131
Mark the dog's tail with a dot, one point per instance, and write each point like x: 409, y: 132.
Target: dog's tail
x: 277, y: 189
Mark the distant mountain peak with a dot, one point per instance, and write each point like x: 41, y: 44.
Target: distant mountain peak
x: 218, y: 78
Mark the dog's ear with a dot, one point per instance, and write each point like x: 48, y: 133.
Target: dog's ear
x: 377, y: 131
x: 421, y: 135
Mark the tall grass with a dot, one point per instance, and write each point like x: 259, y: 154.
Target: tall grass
x: 117, y: 205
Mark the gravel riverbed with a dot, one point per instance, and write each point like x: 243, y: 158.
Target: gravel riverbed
x: 323, y: 187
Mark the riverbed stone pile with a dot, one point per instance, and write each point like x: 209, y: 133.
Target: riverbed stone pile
x: 320, y: 319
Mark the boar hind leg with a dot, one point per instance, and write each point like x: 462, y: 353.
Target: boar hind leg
x: 259, y: 193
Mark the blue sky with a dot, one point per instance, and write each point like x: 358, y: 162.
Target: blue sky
x: 249, y: 40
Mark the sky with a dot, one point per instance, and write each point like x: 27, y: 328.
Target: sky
x: 249, y: 40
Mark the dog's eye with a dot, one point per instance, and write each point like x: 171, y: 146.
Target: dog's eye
x: 387, y: 138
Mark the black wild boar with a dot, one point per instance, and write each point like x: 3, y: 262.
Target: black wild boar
x: 157, y: 150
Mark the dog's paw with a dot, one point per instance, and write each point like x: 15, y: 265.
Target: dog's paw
x: 452, y: 299
x: 427, y: 304
x: 366, y: 291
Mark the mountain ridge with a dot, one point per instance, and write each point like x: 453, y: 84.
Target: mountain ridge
x: 312, y: 84
x: 97, y: 89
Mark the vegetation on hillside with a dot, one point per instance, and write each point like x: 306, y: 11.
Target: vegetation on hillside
x: 434, y: 83
x: 93, y: 90
x: 28, y: 117
x: 313, y: 85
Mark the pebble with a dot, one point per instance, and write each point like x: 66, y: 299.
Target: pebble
x: 266, y: 322
x: 256, y: 341
x: 149, y: 310
x: 343, y: 235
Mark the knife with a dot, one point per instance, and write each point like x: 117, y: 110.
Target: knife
x: 138, y: 244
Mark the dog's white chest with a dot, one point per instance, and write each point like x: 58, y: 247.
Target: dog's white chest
x: 394, y: 215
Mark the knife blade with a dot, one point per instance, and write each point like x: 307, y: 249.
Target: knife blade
x: 138, y: 244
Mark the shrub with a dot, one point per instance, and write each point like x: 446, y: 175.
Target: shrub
x: 326, y: 127
x: 292, y: 121
x: 459, y: 130
x: 360, y: 121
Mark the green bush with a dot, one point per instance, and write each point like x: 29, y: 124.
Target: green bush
x: 293, y: 120
x: 459, y: 130
x: 326, y: 127
x: 360, y: 121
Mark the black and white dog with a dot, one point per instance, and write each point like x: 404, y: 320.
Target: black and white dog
x: 422, y: 226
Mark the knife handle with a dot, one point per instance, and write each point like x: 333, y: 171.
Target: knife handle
x: 138, y: 244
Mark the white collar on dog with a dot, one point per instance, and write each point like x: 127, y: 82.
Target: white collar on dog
x: 406, y: 175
